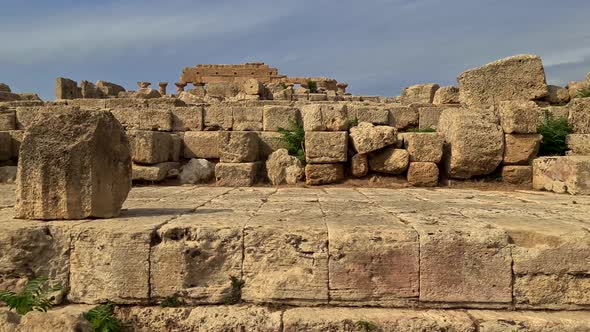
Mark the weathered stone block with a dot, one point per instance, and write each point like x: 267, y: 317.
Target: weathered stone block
x: 187, y: 118
x: 446, y: 95
x: 7, y: 120
x: 62, y: 155
x: 276, y: 117
x: 519, y: 77
x: 125, y: 103
x: 88, y: 104
x: 507, y: 320
x: 89, y: 90
x: 521, y: 149
x: 201, y: 144
x: 579, y: 115
x: 236, y: 174
x: 25, y: 115
x: 149, y: 147
x: 427, y: 147
x: 403, y: 117
x: 367, y: 137
x: 176, y: 146
x: 371, y: 114
x: 389, y: 160
x: 574, y: 88
x: 247, y: 118
x: 423, y: 174
x: 68, y: 318
x: 419, y: 93
x: 428, y: 117
x: 270, y: 141
x: 238, y: 147
x: 326, y: 147
x: 359, y: 165
x: 223, y: 89
x: 317, y: 174
x: 324, y: 117
x: 517, y: 174
x: 144, y: 119
x: 146, y: 93
x: 218, y: 117
x: 283, y: 168
x: 520, y: 117
x: 562, y: 174
x: 66, y: 89
x: 109, y: 89
x: 557, y: 95
x: 578, y: 144
x: 155, y: 173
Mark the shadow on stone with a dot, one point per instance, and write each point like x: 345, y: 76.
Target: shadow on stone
x: 152, y: 212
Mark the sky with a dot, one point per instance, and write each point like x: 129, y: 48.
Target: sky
x: 377, y: 46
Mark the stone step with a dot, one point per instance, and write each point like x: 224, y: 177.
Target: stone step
x: 410, y: 248
x: 261, y: 318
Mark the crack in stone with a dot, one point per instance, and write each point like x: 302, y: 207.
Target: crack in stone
x: 327, y: 245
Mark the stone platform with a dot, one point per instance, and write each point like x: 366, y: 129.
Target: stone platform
x: 411, y: 249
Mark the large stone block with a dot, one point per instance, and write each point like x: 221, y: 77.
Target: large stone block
x: 88, y: 104
x: 521, y: 149
x: 109, y: 89
x: 270, y: 141
x: 201, y: 144
x: 529, y: 321
x: 557, y: 95
x: 223, y: 89
x: 428, y: 117
x: 276, y: 117
x: 520, y: 117
x: 389, y: 160
x: 317, y: 174
x: 5, y: 146
x: 187, y: 118
x: 359, y: 165
x: 218, y: 117
x: 372, y: 114
x: 247, y: 118
x: 89, y: 90
x: 149, y: 147
x: 238, y: 147
x: 125, y: 103
x: 236, y: 174
x: 574, y: 88
x: 446, y: 95
x: 475, y: 142
x: 367, y: 137
x: 7, y: 120
x: 579, y: 115
x: 25, y: 115
x: 427, y: 147
x: 423, y: 174
x: 68, y: 318
x: 283, y: 168
x: 403, y: 117
x: 562, y: 174
x: 324, y: 117
x: 517, y: 174
x: 144, y: 119
x: 73, y: 165
x: 66, y: 89
x: 326, y: 147
x: 156, y: 172
x: 419, y: 93
x: 519, y: 77
x: 578, y: 144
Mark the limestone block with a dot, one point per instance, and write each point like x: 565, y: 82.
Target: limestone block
x: 149, y: 147
x: 236, y: 174
x: 574, y: 88
x: 285, y: 262
x: 190, y: 98
x: 66, y: 89
x: 529, y: 321
x: 317, y: 97
x: 201, y: 144
x: 59, y: 319
x: 61, y: 155
x: 197, y: 171
x: 247, y: 118
x: 125, y: 103
x: 156, y: 172
x: 428, y: 117
x: 317, y: 174
x: 276, y: 117
x: 218, y: 117
x: 25, y: 115
x: 556, y: 111
x: 252, y: 86
x: 579, y: 115
x: 88, y: 104
x: 562, y: 174
x: 8, y: 96
x: 29, y: 96
x: 283, y: 168
x: 223, y: 89
x: 389, y: 160
x: 517, y: 174
x: 520, y: 117
x: 519, y: 77
x: 427, y: 147
x: 8, y: 174
x: 521, y: 149
x: 89, y: 90
x: 326, y: 147
x: 480, y: 260
x: 324, y: 117
x: 557, y: 95
x: 269, y: 142
x: 285, y: 94
x: 372, y: 114
x: 5, y: 146
x: 359, y: 165
x: 419, y: 93
x: 423, y: 174
x: 7, y: 120
x: 176, y: 147
x: 403, y: 117
x: 238, y: 147
x: 187, y: 118
x: 16, y: 137
x: 446, y: 95
x: 146, y: 93
x: 578, y: 144
x: 144, y: 119
x: 367, y: 137
x: 475, y: 143
x: 110, y: 260
x: 109, y: 89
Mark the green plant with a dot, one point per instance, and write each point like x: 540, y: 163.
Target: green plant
x: 366, y: 326
x: 554, y: 132
x: 423, y: 130
x: 353, y: 122
x: 172, y: 301
x: 283, y: 85
x: 312, y: 86
x: 584, y: 93
x: 235, y: 293
x: 102, y: 319
x: 35, y: 296
x: 295, y: 140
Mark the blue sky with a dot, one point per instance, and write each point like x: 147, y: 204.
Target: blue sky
x: 377, y: 46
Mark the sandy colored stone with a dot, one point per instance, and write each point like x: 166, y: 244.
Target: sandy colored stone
x: 149, y: 147
x: 218, y: 117
x: 269, y: 142
x: 578, y: 144
x: 557, y: 95
x: 7, y: 120
x: 367, y: 137
x: 419, y: 93
x: 423, y: 174
x: 324, y: 117
x: 282, y: 168
x: 147, y: 93
x: 276, y: 117
x: 521, y: 149
x: 25, y: 115
x: 144, y: 119
x: 156, y: 172
x: 429, y: 117
x: 236, y: 174
x: 403, y: 117
x: 389, y: 160
x: 66, y: 89
x: 125, y: 103
x: 109, y: 89
x: 530, y: 321
x: 201, y: 144
x: 372, y: 114
x: 56, y: 320
x: 252, y: 86
x: 222, y: 89
x: 446, y: 95
x: 424, y: 146
x: 318, y: 174
x: 519, y: 77
x: 519, y: 117
x: 562, y: 174
x: 89, y: 90
x: 237, y: 147
x: 8, y: 174
x: 190, y: 98
x: 475, y: 143
x: 517, y: 174
x: 5, y: 146
x: 326, y: 147
x: 247, y: 118
x: 88, y: 104
x: 187, y: 118
x: 574, y: 88
x: 63, y: 154
x: 579, y: 115
x: 359, y: 165
x: 197, y: 171
x: 16, y: 137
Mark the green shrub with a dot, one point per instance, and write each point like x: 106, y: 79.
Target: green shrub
x: 554, y: 131
x: 312, y: 86
x: 283, y: 85
x: 235, y: 293
x: 102, y: 319
x: 584, y: 93
x: 366, y: 326
x: 295, y: 140
x: 35, y: 296
x: 418, y: 130
x: 353, y: 122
